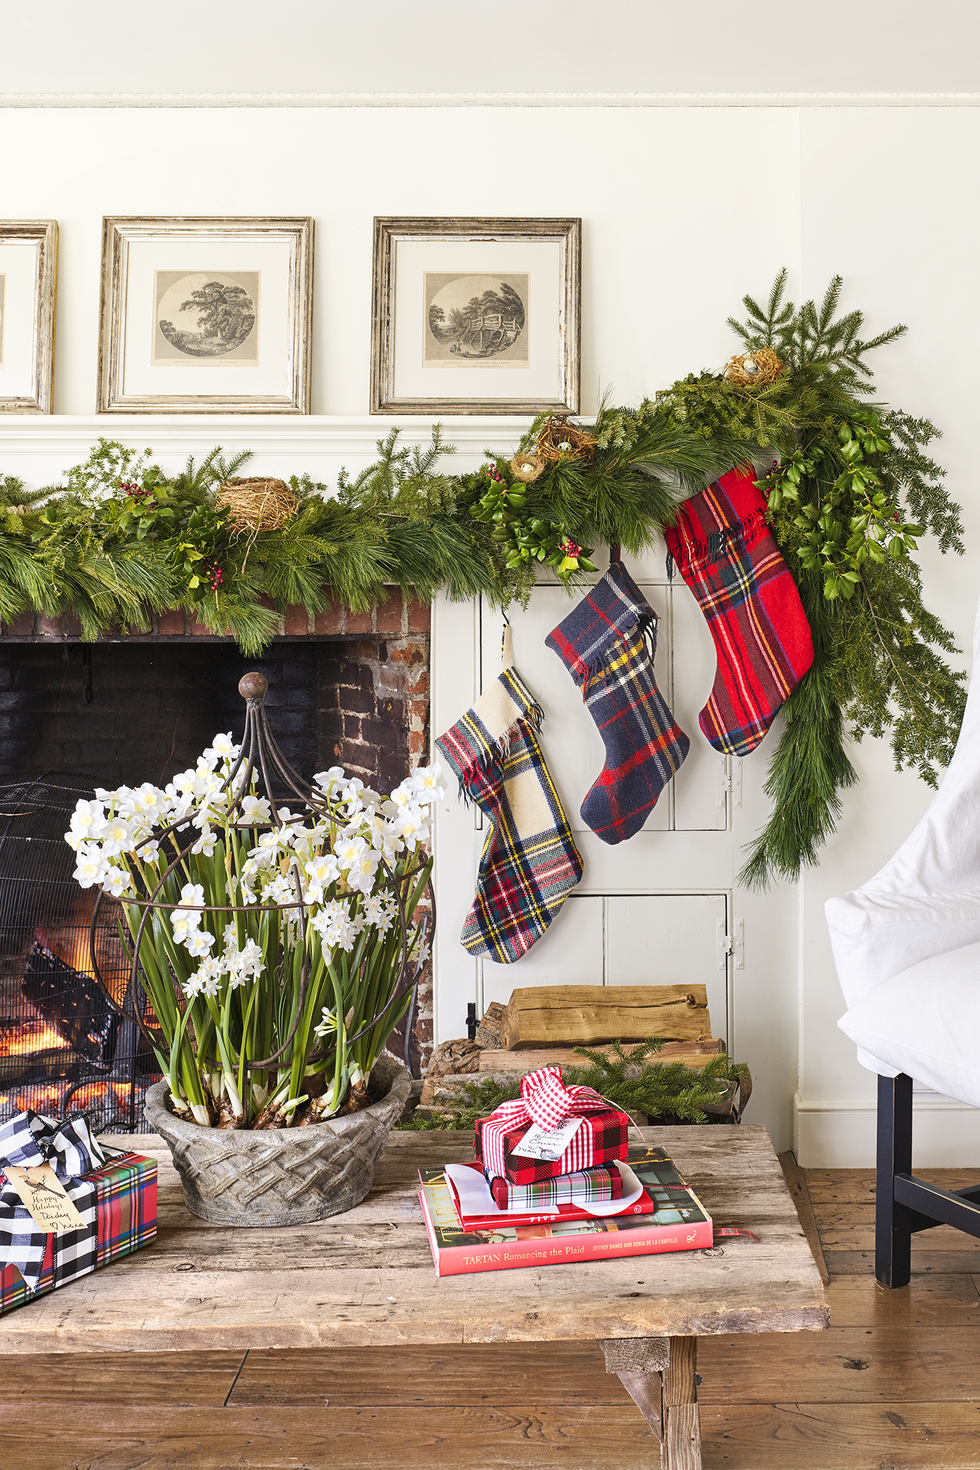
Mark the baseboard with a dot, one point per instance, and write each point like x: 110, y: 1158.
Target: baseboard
x: 945, y: 1135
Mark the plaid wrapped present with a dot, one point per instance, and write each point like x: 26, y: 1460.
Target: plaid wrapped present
x: 587, y: 1187
x: 115, y: 1193
x: 547, y: 1103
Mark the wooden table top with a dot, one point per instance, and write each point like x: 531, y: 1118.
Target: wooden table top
x: 366, y: 1277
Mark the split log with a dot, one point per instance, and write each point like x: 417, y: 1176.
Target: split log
x: 488, y: 1031
x: 578, y: 1015
x: 519, y: 1063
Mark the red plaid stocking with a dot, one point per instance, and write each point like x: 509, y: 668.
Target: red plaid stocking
x: 726, y: 554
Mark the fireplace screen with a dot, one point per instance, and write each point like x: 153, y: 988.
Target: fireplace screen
x: 64, y: 1048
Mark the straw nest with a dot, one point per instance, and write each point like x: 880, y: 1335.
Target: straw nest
x: 527, y: 467
x: 754, y: 368
x: 259, y: 504
x: 562, y: 440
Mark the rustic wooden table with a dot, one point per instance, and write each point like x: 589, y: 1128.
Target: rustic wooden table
x: 366, y: 1278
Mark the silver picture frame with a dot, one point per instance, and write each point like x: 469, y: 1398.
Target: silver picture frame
x: 28, y: 289
x: 476, y: 316
x: 205, y: 315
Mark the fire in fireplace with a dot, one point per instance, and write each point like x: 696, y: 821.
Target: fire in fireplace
x: 63, y: 1046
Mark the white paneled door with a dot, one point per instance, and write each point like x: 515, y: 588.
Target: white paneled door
x: 656, y: 909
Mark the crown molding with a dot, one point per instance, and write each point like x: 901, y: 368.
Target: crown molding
x: 486, y: 99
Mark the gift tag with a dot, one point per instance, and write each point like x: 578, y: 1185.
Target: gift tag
x: 43, y: 1194
x: 547, y: 1143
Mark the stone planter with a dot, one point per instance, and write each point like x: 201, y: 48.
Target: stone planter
x: 281, y: 1176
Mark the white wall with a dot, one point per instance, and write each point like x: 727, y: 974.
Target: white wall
x: 684, y: 209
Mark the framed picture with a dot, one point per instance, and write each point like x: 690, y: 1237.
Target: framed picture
x: 205, y: 315
x: 476, y: 315
x: 28, y: 277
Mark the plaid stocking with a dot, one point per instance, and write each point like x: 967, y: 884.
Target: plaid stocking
x: 726, y: 554
x: 608, y: 643
x: 529, y: 862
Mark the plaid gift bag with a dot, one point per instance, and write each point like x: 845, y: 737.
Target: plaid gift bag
x: 546, y: 1103
x: 115, y: 1194
x: 587, y: 1187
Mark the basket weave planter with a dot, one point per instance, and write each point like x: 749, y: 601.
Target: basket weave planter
x: 281, y: 1176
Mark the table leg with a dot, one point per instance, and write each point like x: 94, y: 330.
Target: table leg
x: 660, y: 1376
x: 682, y: 1421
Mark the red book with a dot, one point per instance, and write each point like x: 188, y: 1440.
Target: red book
x: 680, y: 1223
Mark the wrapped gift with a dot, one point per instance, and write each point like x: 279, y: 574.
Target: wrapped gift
x: 111, y: 1196
x: 551, y: 1130
x: 587, y: 1187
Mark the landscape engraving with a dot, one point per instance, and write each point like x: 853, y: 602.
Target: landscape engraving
x: 475, y: 320
x: 200, y: 316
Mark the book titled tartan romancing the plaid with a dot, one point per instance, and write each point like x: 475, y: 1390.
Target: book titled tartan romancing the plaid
x: 679, y: 1223
x: 126, y: 1219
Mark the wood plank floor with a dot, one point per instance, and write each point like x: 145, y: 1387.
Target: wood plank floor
x: 894, y: 1383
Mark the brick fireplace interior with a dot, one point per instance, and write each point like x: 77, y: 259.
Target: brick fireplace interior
x: 344, y: 689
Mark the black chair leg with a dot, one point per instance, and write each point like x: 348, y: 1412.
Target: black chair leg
x: 893, y: 1221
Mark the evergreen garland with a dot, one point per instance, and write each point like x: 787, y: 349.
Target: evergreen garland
x: 850, y: 488
x: 848, y: 477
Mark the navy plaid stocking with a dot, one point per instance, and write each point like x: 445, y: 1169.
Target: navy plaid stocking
x: 608, y: 643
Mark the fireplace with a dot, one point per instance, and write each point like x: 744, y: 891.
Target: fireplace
x: 344, y: 689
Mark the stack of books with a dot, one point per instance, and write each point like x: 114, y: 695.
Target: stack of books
x: 468, y: 1231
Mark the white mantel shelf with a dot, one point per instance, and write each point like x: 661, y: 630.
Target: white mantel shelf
x: 289, y: 437
x: 38, y: 448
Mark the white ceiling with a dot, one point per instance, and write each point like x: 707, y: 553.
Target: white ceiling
x: 517, y: 50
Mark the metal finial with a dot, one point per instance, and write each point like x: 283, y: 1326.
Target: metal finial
x: 253, y: 687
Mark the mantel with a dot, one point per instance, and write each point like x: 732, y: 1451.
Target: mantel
x: 38, y: 447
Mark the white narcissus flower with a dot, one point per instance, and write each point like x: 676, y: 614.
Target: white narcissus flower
x: 280, y: 890
x: 117, y: 837
x: 87, y: 820
x: 255, y: 809
x: 206, y: 842
x: 375, y: 912
x: 412, y: 826
x: 91, y: 867
x: 199, y: 942
x: 222, y: 746
x: 184, y: 925
x: 206, y: 979
x: 349, y: 851
x: 117, y: 882
x: 430, y: 781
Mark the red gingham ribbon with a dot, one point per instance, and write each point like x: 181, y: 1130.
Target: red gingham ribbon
x: 546, y: 1100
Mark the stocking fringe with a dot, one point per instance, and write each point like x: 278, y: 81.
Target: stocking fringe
x: 498, y: 750
x: 727, y: 540
x: 598, y: 669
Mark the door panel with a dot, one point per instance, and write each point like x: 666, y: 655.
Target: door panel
x: 569, y: 953
x: 671, y: 939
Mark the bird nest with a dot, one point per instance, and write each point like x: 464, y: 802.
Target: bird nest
x: 259, y: 504
x: 561, y: 440
x: 754, y: 368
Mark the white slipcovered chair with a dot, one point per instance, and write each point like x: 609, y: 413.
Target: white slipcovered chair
x: 907, y: 950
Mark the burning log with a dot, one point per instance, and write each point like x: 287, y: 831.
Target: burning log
x: 73, y: 1004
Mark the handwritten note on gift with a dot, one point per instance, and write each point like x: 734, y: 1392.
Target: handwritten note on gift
x: 43, y: 1194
